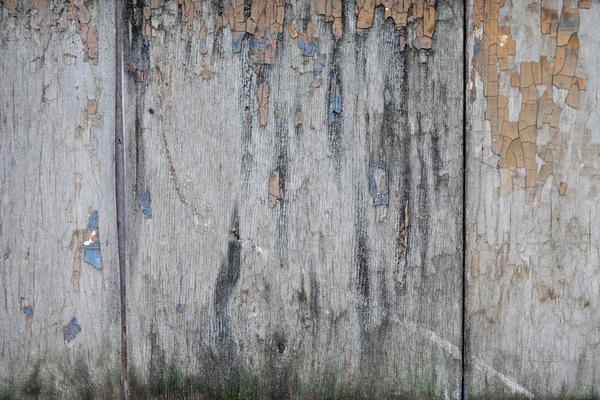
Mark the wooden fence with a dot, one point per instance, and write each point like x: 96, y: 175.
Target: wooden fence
x: 319, y: 199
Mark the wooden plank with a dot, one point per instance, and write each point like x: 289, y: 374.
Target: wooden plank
x: 532, y: 201
x: 59, y: 318
x: 260, y: 263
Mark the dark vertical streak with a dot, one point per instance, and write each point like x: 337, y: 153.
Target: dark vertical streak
x: 228, y: 276
x: 120, y: 189
x: 464, y: 360
x: 362, y: 261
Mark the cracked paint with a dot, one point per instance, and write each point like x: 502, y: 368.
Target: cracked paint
x: 71, y: 330
x: 332, y: 10
x: 402, y: 12
x: 516, y: 142
x: 93, y: 255
x: 264, y: 24
x: 275, y: 189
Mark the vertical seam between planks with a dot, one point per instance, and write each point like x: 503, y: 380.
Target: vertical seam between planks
x: 464, y: 358
x: 120, y: 189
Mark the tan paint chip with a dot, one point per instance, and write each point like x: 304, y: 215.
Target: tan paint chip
x: 275, y: 189
x: 262, y: 94
x: 562, y: 189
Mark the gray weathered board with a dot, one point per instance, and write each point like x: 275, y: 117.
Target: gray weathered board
x: 260, y: 141
x: 532, y: 260
x: 56, y: 162
x: 316, y: 296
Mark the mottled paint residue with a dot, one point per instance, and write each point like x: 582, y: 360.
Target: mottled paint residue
x: 422, y: 12
x: 264, y: 24
x: 44, y: 15
x: 335, y: 99
x: 71, y: 330
x: 309, y: 46
x: 145, y: 205
x: 275, y: 189
x: 516, y: 142
x: 93, y: 255
x: 378, y: 184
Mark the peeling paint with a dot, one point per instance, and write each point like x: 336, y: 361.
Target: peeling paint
x: 516, y: 142
x: 93, y: 255
x: 264, y: 24
x: 335, y: 99
x: 378, y: 184
x: 71, y: 330
x: 332, y: 10
x: 145, y: 205
x: 421, y: 12
x: 309, y: 46
x: 275, y: 189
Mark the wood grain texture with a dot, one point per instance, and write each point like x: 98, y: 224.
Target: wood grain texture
x: 325, y: 294
x: 56, y: 168
x: 532, y: 311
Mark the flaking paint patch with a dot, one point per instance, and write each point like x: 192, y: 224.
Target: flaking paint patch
x: 309, y: 46
x: 332, y: 10
x: 264, y: 24
x: 71, y: 330
x: 516, y: 142
x: 421, y: 12
x: 93, y: 254
x: 335, y: 99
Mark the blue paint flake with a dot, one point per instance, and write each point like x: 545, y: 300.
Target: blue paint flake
x: 71, y: 330
x: 378, y: 184
x: 319, y: 64
x: 145, y: 204
x: 179, y: 308
x: 335, y: 99
x: 28, y: 311
x: 93, y: 255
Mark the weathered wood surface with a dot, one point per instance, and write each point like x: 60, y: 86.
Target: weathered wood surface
x: 532, y: 262
x: 295, y: 199
x: 325, y: 294
x: 56, y: 160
